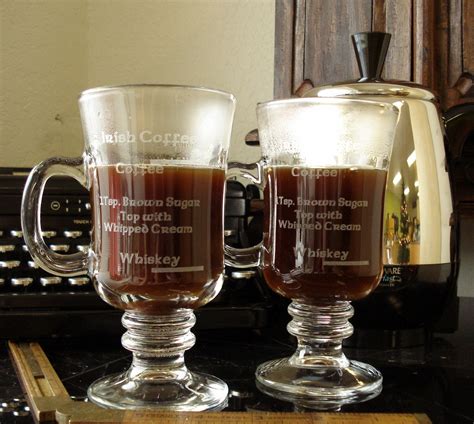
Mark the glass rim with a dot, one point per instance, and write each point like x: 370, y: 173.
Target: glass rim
x: 392, y: 106
x: 110, y: 88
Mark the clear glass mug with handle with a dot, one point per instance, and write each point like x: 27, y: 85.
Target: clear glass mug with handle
x: 154, y: 161
x: 323, y: 173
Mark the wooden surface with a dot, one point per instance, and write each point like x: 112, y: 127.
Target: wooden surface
x: 468, y: 36
x: 432, y: 43
x: 455, y: 42
x: 38, y: 379
x: 299, y: 44
x: 284, y: 31
x: 379, y: 15
x: 423, y: 42
x: 395, y: 17
x: 329, y: 55
x: 271, y: 418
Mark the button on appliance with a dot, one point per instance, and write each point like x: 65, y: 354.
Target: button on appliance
x: 9, y: 264
x: 50, y: 281
x: 78, y: 281
x: 72, y: 234
x: 59, y: 247
x: 21, y: 282
x: 7, y: 248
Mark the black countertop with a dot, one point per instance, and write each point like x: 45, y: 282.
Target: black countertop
x: 436, y: 378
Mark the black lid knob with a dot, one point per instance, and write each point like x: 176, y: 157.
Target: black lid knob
x: 371, y: 49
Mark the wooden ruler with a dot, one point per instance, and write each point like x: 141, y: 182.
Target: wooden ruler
x: 49, y: 402
x: 271, y: 418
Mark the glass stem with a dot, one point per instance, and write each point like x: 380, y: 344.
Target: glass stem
x: 158, y: 343
x: 320, y: 330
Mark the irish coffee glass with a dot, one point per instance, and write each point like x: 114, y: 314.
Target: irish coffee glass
x: 154, y: 161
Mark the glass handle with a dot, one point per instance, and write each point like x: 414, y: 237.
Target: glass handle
x: 62, y: 265
x: 250, y: 256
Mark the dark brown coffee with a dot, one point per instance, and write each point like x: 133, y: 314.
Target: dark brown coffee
x: 323, y: 232
x: 158, y: 234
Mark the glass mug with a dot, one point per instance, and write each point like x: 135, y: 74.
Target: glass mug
x: 154, y: 161
x: 323, y: 172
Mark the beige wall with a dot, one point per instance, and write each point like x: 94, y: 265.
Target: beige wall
x: 50, y: 50
x: 42, y: 68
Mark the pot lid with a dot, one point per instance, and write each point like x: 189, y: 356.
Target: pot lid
x: 371, y: 49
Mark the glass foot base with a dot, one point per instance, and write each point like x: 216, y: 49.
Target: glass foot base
x: 321, y: 388
x: 196, y: 392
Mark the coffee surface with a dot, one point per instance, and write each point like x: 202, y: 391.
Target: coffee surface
x: 158, y: 234
x: 323, y: 232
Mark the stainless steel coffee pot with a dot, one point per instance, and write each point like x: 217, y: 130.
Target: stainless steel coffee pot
x: 419, y: 232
